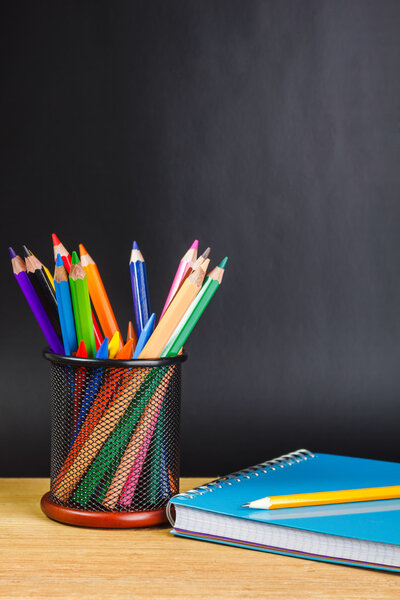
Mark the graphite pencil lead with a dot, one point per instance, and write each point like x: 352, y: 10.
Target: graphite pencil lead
x: 27, y: 252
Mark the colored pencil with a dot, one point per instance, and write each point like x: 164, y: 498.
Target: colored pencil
x: 131, y: 334
x: 43, y: 288
x: 114, y: 345
x: 104, y: 397
x: 121, y: 429
x: 98, y: 295
x: 64, y: 304
x: 79, y: 382
x: 199, y: 261
x: 157, y: 468
x: 135, y: 454
x: 81, y: 305
x: 92, y: 387
x: 145, y: 335
x: 174, y: 313
x: 126, y: 351
x: 59, y: 248
x: 19, y: 270
x: 322, y: 498
x: 46, y: 270
x: 107, y: 397
x: 195, y: 310
x: 186, y: 262
x: 140, y: 290
x: 99, y: 424
x: 81, y: 352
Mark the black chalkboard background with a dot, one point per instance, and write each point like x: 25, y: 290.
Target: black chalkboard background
x: 267, y: 129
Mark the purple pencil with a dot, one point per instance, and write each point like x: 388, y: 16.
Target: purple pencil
x: 32, y: 298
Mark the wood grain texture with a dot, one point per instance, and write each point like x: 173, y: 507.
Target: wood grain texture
x: 41, y: 558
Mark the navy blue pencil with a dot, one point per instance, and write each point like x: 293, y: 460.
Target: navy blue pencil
x: 140, y: 290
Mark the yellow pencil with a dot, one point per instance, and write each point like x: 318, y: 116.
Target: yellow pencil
x: 320, y: 498
x: 174, y: 313
x: 114, y: 345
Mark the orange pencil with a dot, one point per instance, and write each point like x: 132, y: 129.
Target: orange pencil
x: 131, y: 334
x: 175, y: 312
x: 98, y: 296
x: 126, y: 351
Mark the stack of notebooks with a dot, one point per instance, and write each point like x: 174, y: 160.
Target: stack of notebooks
x: 363, y: 534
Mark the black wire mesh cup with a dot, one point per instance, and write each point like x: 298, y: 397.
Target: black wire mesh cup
x: 114, y: 440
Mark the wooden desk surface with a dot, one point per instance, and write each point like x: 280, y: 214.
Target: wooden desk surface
x: 44, y: 559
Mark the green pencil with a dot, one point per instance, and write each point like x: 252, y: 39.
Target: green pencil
x: 81, y: 305
x: 195, y: 310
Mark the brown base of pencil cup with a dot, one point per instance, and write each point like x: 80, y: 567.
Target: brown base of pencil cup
x: 114, y: 441
x: 111, y: 520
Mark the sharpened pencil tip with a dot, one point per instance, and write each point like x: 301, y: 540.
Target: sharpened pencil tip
x: 12, y: 252
x: 26, y: 251
x: 75, y: 258
x: 102, y: 352
x: 59, y: 261
x: 135, y: 246
x: 81, y: 352
x: 55, y: 239
x: 195, y: 245
x: 206, y: 253
x: 82, y: 250
x: 151, y: 320
x: 223, y: 262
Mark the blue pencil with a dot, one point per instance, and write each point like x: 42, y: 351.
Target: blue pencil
x: 92, y: 388
x: 145, y: 335
x: 64, y: 306
x: 140, y: 290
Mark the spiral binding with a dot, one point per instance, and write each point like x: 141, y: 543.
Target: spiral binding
x: 286, y: 460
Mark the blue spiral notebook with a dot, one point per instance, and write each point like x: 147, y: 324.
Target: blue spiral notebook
x: 363, y: 534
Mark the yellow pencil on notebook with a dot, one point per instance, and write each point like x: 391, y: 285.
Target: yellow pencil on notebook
x: 320, y: 498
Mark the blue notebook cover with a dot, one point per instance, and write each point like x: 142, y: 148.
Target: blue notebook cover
x: 302, y: 472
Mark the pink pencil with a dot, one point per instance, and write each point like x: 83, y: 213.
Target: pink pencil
x: 131, y: 483
x: 186, y: 262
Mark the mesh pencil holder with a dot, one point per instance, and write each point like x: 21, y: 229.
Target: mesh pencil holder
x: 114, y: 440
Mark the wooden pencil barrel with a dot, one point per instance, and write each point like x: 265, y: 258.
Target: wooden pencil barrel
x: 114, y: 441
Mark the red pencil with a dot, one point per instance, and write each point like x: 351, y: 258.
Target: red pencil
x: 79, y: 383
x: 59, y: 248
